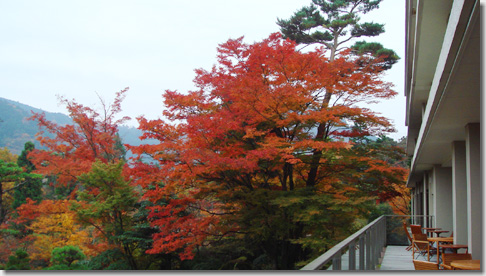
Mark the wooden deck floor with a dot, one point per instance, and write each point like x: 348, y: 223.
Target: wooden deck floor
x: 397, y: 258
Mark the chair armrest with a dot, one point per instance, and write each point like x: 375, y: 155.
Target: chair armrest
x: 446, y: 267
x: 424, y: 242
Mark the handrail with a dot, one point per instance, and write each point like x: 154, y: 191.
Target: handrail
x: 364, y: 237
x: 371, y: 240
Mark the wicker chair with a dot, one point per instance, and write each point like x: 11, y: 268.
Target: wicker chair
x: 416, y: 229
x: 447, y: 258
x: 422, y: 246
x: 423, y: 265
x: 408, y: 236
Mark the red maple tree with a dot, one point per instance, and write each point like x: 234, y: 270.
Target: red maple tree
x: 266, y: 117
x: 73, y: 148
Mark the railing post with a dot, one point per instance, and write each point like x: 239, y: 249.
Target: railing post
x: 376, y: 245
x: 371, y: 239
x: 385, y: 222
x: 383, y: 235
x: 368, y: 250
x: 372, y: 249
x: 352, y: 255
x: 336, y: 261
x: 362, y: 252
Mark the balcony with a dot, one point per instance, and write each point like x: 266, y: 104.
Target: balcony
x: 380, y: 245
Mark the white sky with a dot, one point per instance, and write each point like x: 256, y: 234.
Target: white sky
x: 78, y: 48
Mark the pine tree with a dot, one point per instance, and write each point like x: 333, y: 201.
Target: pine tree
x: 67, y: 258
x: 18, y: 261
x: 10, y: 173
x: 333, y: 23
x: 31, y: 187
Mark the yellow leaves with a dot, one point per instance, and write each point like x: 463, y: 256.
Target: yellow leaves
x: 7, y: 156
x: 7, y: 197
x: 56, y: 227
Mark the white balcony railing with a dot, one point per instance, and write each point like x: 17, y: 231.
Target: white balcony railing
x: 365, y: 247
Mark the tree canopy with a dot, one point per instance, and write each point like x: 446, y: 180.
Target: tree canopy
x: 271, y: 160
x: 244, y: 147
x: 334, y: 23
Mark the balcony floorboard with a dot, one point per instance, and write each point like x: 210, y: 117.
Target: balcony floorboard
x: 397, y: 258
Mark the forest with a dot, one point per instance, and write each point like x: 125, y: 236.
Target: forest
x: 271, y: 161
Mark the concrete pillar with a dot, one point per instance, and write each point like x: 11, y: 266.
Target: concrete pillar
x: 412, y: 204
x: 419, y: 199
x: 429, y: 199
x: 474, y: 189
x: 459, y: 192
x: 418, y: 202
x: 442, y: 194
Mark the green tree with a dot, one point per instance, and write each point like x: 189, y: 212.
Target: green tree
x: 32, y: 186
x: 18, y: 261
x: 67, y: 258
x: 332, y: 23
x: 10, y: 173
x: 107, y: 204
x: 111, y: 259
x: 236, y: 157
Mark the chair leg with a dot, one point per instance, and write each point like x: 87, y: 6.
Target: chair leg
x: 423, y: 254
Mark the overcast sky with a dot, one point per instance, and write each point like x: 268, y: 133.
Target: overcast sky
x: 79, y: 48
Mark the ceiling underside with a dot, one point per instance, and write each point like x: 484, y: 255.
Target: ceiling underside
x: 460, y: 105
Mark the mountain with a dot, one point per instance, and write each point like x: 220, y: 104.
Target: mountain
x: 16, y: 129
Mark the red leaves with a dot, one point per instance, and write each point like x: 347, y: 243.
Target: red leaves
x: 75, y: 147
x: 256, y: 121
x: 31, y: 210
x: 182, y: 229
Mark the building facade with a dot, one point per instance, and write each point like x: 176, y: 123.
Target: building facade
x: 443, y: 93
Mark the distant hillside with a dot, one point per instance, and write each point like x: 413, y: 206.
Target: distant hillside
x: 15, y: 129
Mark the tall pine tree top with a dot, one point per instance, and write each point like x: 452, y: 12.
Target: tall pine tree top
x: 332, y: 23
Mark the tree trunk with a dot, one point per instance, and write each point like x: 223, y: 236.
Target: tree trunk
x: 316, y: 157
x: 317, y: 154
x: 288, y: 173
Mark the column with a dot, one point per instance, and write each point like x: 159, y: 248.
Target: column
x: 474, y: 190
x: 442, y: 191
x: 459, y: 192
x: 412, y: 204
x: 429, y: 199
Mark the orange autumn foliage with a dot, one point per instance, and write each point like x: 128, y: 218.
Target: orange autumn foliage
x: 74, y: 148
x: 53, y: 225
x: 258, y: 121
x: 71, y: 152
x: 401, y: 203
